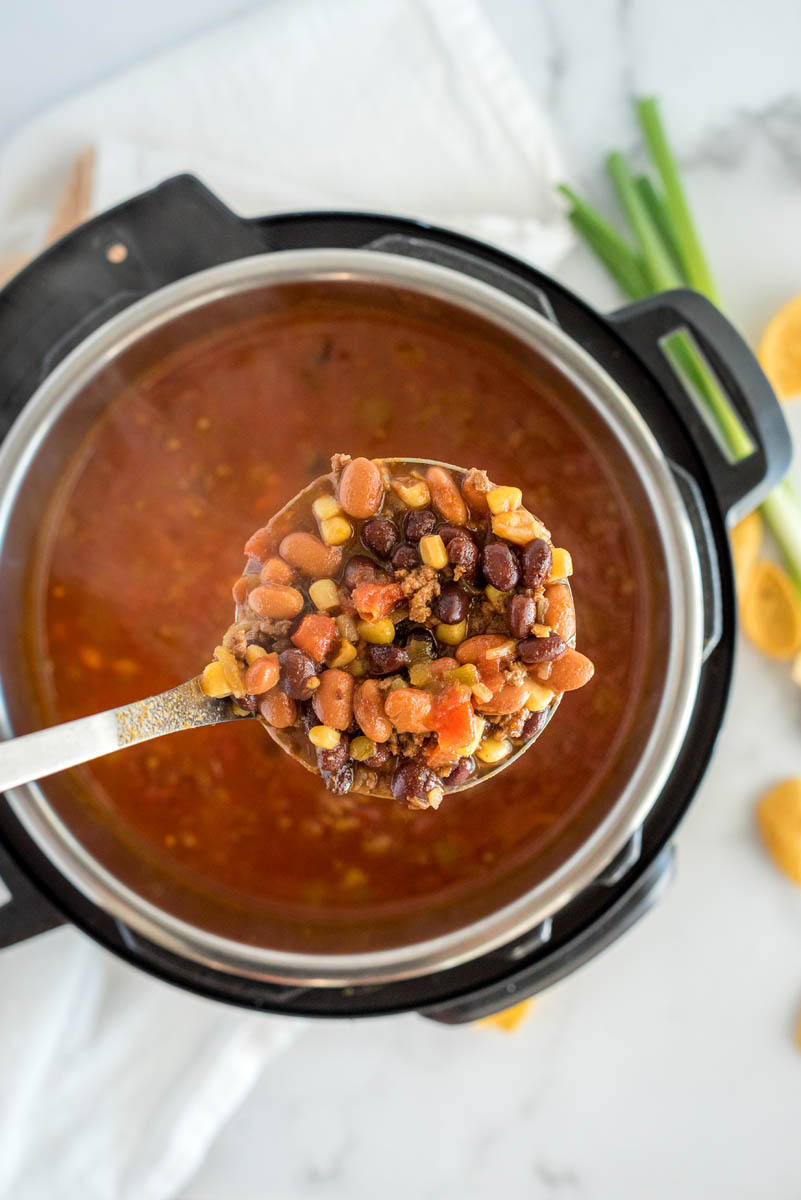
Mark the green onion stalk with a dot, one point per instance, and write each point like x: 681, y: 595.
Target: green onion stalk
x: 665, y: 252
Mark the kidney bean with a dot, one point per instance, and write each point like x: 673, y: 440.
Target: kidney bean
x: 448, y: 532
x: 262, y: 674
x: 368, y: 709
x: 570, y: 671
x: 452, y: 604
x: 385, y: 660
x: 522, y: 615
x: 410, y: 710
x: 340, y: 781
x: 535, y: 724
x: 560, y: 612
x: 361, y: 569
x: 460, y: 773
x: 310, y: 554
x: 275, y: 570
x: 510, y: 698
x: 280, y: 603
x: 406, y: 558
x: 249, y: 703
x: 361, y: 488
x: 243, y: 587
x: 445, y: 496
x: 499, y: 564
x: 463, y: 552
x: 330, y: 760
x: 380, y: 535
x: 535, y: 561
x: 333, y: 699
x: 418, y: 523
x: 297, y: 668
x: 413, y: 780
x: 278, y: 709
x: 541, y: 649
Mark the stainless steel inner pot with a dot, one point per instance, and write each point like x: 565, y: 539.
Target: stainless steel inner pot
x: 39, y: 444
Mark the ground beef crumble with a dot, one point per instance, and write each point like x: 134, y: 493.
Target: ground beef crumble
x: 478, y: 480
x: 512, y: 724
x: 420, y: 586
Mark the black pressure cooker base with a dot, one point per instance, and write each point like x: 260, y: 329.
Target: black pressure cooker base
x: 180, y: 228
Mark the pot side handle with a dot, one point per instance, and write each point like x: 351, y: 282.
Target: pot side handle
x: 27, y: 912
x: 740, y: 485
x: 105, y: 265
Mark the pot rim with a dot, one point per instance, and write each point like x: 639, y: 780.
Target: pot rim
x: 524, y: 324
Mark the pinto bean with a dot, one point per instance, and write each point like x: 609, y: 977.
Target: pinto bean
x: 275, y: 601
x: 361, y: 489
x: 510, y: 698
x: 333, y: 699
x: 310, y: 554
x: 275, y: 570
x: 262, y: 675
x: 445, y: 496
x: 570, y: 671
x: 560, y: 612
x: 410, y: 710
x: 278, y: 709
x: 368, y: 709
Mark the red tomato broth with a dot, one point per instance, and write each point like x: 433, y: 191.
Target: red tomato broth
x: 141, y: 549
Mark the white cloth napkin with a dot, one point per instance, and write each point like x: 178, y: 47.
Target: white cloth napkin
x: 114, y: 1085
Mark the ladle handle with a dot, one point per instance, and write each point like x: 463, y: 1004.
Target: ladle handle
x: 37, y: 755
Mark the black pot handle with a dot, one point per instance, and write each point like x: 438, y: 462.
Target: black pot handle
x: 27, y: 912
x: 103, y: 266
x: 740, y: 485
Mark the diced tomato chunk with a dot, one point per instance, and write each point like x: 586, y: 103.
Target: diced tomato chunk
x: 316, y: 635
x: 453, y: 717
x: 376, y: 600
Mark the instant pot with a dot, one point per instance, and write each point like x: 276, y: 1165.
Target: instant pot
x: 175, y: 251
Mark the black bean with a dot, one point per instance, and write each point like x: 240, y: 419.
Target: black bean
x: 380, y: 535
x: 500, y: 567
x: 460, y: 773
x: 297, y: 669
x: 406, y: 558
x: 418, y: 523
x: 463, y: 552
x: 413, y: 780
x: 340, y: 781
x: 452, y: 604
x: 447, y: 532
x: 379, y: 758
x: 541, y: 649
x: 361, y: 569
x: 385, y: 660
x: 249, y: 703
x: 522, y: 615
x: 536, y: 560
x: 308, y: 717
x: 535, y: 724
x: 330, y: 760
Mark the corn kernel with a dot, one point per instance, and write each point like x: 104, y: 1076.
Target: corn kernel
x: 323, y: 593
x: 504, y: 499
x: 433, y: 552
x: 497, y: 599
x: 539, y: 697
x: 562, y: 567
x: 479, y: 725
x: 467, y: 674
x: 494, y: 750
x: 420, y: 674
x: 213, y: 681
x: 345, y: 655
x: 347, y: 627
x: 795, y: 670
x: 452, y: 635
x: 326, y: 507
x: 361, y: 748
x: 519, y: 527
x: 254, y: 653
x: 378, y: 633
x: 413, y: 492
x: 335, y: 531
x: 324, y: 737
x: 231, y: 669
x: 541, y: 630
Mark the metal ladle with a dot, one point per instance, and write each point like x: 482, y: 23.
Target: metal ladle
x: 37, y: 755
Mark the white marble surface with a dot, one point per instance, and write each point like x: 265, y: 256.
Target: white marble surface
x: 666, y: 1067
